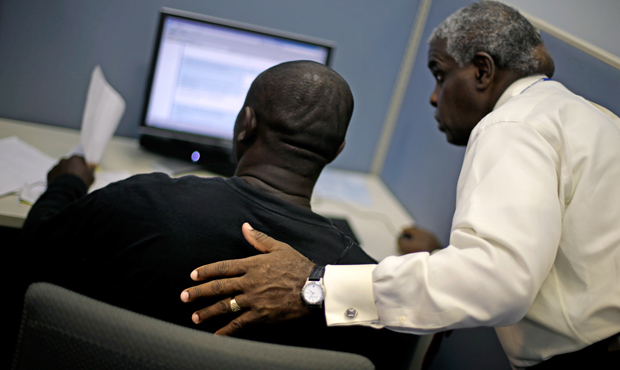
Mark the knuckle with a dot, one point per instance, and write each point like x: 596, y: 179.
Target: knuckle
x: 258, y: 263
x: 222, y: 306
x: 194, y: 292
x: 223, y: 267
x: 262, y: 238
x: 217, y: 287
x: 236, y: 325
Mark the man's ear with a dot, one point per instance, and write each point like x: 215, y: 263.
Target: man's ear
x: 340, y: 149
x: 485, y: 70
x: 247, y: 129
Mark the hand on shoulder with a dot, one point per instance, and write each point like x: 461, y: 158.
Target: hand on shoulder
x: 262, y: 288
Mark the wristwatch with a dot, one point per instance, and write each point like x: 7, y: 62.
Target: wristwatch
x: 313, y: 292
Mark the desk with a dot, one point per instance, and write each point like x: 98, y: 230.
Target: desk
x: 376, y: 225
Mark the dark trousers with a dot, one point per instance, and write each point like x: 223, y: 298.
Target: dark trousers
x: 598, y: 356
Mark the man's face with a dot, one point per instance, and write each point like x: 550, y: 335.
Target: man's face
x: 455, y: 96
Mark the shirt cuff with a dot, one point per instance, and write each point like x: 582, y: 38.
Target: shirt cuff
x: 348, y: 289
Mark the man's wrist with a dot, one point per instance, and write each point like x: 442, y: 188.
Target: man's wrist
x: 313, y: 291
x: 349, y: 295
x: 69, y: 181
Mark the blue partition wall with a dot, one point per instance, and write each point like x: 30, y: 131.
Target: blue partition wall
x: 585, y: 75
x: 421, y: 168
x: 49, y: 48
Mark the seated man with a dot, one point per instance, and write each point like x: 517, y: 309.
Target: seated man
x: 142, y: 236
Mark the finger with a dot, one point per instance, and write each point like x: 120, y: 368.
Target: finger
x: 261, y: 241
x: 220, y: 308
x: 221, y: 269
x: 238, y: 323
x: 76, y: 157
x: 222, y: 287
x: 403, y: 242
x: 409, y: 230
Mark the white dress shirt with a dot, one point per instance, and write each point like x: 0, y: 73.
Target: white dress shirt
x: 535, y: 241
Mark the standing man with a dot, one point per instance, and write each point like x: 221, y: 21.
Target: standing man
x: 535, y: 242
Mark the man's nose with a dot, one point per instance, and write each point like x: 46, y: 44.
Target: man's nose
x: 433, y: 100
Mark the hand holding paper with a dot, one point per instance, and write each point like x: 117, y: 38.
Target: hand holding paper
x: 102, y: 113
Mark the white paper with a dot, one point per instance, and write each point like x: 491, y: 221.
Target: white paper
x: 104, y: 178
x: 31, y: 192
x: 344, y: 186
x: 77, y: 150
x: 102, y: 113
x: 21, y: 164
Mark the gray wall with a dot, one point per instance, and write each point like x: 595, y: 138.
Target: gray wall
x: 49, y: 48
x: 421, y: 168
x: 595, y: 21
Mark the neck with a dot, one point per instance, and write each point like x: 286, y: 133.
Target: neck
x: 505, y: 78
x: 284, y: 184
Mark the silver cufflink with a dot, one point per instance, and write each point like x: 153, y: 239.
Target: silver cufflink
x: 350, y: 312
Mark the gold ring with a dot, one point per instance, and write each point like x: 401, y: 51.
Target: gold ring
x: 234, y: 306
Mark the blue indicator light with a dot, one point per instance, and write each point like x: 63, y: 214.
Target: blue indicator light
x: 195, y: 156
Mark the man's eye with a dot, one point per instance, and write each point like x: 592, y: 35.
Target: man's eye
x: 438, y: 76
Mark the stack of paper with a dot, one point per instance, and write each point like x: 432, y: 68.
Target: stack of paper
x: 21, y: 164
x: 343, y: 186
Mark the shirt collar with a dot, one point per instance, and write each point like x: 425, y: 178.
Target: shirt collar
x: 517, y: 88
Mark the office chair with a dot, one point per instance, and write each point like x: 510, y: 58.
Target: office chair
x: 61, y: 329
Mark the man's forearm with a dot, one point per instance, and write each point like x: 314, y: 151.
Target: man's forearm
x: 61, y: 192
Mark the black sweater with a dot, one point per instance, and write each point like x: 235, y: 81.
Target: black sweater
x: 134, y: 243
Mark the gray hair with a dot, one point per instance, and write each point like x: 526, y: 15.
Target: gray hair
x: 494, y: 28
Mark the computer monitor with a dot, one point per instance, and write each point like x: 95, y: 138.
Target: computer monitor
x: 201, y: 70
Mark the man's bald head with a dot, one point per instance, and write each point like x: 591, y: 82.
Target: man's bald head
x: 303, y: 109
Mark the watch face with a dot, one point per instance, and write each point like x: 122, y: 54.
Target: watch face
x: 313, y: 293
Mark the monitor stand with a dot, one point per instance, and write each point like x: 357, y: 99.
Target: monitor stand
x: 212, y: 159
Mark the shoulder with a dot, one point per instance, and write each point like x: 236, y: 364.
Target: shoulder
x: 157, y: 180
x: 548, y: 108
x: 155, y: 190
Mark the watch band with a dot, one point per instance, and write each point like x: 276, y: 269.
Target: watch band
x: 317, y: 273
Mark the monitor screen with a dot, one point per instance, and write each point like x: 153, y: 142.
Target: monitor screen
x: 202, y: 68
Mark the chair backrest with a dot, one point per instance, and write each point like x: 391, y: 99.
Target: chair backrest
x: 61, y: 329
